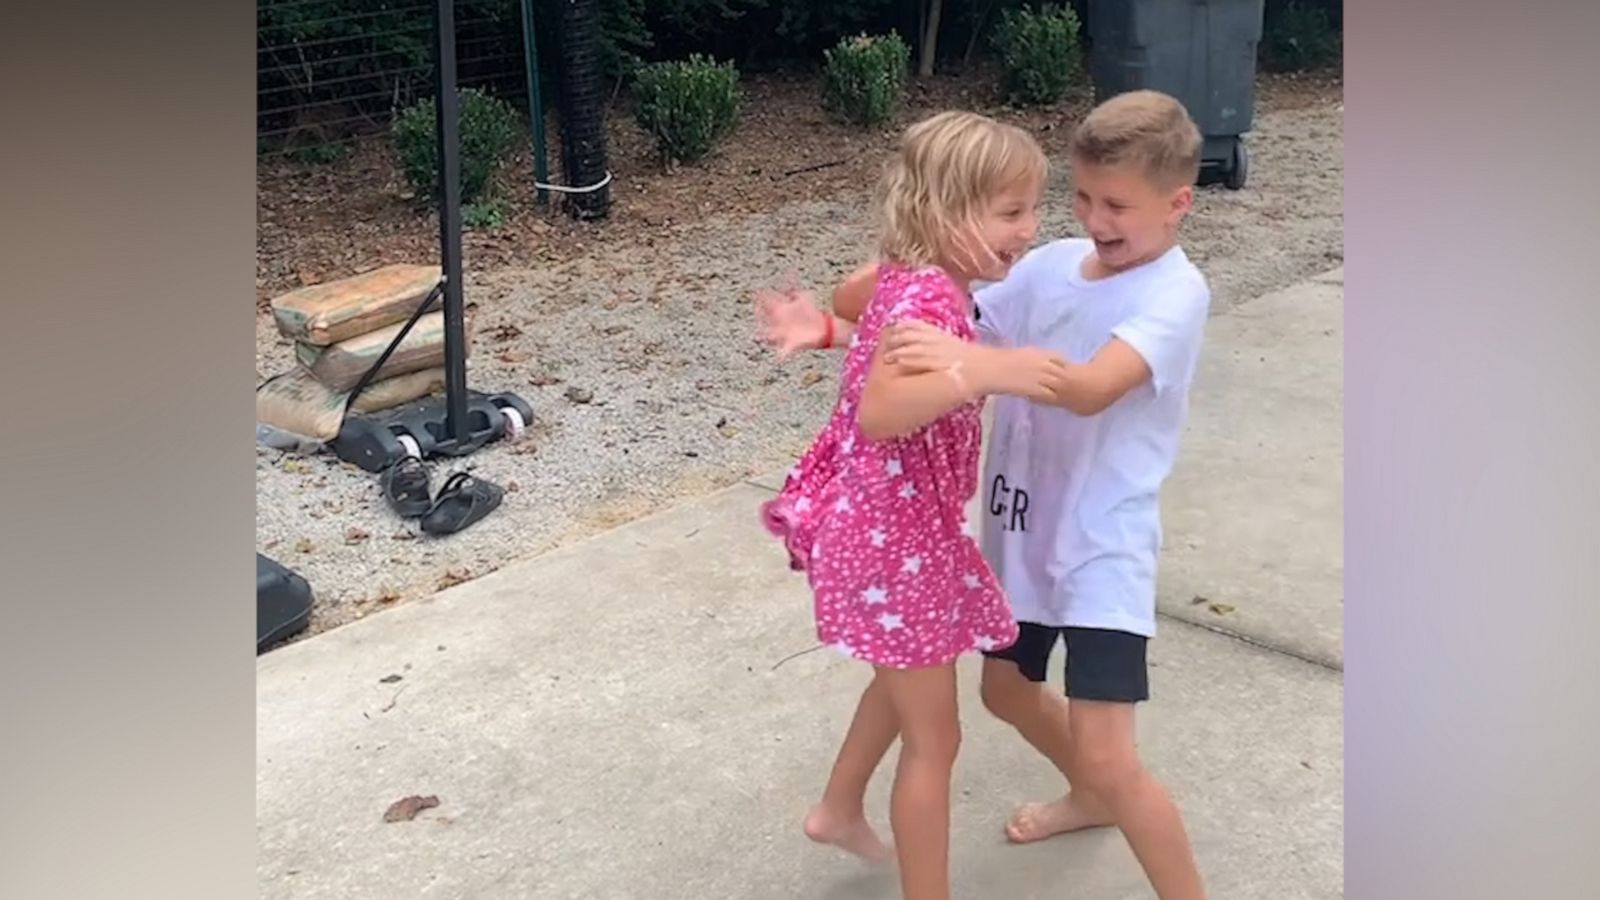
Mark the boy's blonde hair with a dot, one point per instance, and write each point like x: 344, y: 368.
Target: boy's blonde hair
x: 948, y: 166
x: 1145, y: 129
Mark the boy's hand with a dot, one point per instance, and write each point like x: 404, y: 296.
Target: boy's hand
x: 924, y: 347
x: 1026, y: 372
x: 790, y: 320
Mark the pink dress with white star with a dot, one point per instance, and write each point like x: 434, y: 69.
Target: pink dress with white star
x: 879, y: 526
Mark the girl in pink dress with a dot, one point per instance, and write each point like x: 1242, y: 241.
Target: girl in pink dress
x: 874, y: 511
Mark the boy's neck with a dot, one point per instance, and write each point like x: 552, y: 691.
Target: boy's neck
x: 1095, y: 270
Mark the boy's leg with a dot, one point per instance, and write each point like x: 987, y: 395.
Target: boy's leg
x: 1013, y: 689
x: 1106, y: 677
x: 1040, y: 716
x: 840, y: 819
x: 930, y: 736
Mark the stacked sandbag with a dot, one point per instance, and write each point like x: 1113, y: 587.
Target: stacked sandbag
x: 325, y: 314
x: 340, y: 330
x: 299, y: 404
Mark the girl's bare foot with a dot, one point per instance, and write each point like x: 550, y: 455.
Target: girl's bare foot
x: 851, y: 834
x: 1037, y: 821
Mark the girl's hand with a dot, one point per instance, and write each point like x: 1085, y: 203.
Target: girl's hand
x: 790, y: 320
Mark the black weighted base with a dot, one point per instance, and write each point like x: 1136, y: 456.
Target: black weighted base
x: 283, y: 602
x: 373, y: 441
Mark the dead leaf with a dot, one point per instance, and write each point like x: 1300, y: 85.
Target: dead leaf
x: 354, y: 535
x: 1221, y: 609
x: 304, y: 545
x: 388, y: 595
x: 390, y: 679
x: 406, y: 809
x: 810, y: 378
x: 1198, y: 601
x: 512, y: 357
x: 505, y: 332
x: 543, y: 379
x: 454, y: 577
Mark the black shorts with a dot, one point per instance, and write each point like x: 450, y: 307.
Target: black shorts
x: 1101, y: 664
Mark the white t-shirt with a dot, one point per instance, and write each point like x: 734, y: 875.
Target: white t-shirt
x: 1071, y: 522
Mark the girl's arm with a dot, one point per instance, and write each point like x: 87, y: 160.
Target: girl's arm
x: 794, y: 322
x: 898, y: 401
x: 851, y: 297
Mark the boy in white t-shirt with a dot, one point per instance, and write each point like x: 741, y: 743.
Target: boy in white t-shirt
x: 1071, y: 519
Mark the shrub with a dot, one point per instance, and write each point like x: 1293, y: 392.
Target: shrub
x: 863, y: 78
x: 486, y: 214
x: 687, y: 105
x: 1297, y: 36
x: 321, y: 154
x: 1039, y: 51
x: 489, y: 126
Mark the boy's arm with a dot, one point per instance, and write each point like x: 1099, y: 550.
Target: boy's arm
x: 1083, y: 388
x: 1156, y: 346
x: 1089, y: 388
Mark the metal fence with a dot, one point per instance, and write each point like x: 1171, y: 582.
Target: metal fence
x: 332, y: 73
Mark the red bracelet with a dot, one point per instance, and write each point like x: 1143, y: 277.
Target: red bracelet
x: 827, y: 330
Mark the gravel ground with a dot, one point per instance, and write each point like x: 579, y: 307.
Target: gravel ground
x: 639, y: 361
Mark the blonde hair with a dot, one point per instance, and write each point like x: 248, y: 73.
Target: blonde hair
x: 1145, y: 129
x: 948, y: 166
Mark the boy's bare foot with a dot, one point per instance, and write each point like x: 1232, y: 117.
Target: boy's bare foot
x: 851, y: 835
x: 1037, y: 821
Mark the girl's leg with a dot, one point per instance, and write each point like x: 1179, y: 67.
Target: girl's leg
x: 840, y: 819
x: 1039, y: 714
x: 930, y: 735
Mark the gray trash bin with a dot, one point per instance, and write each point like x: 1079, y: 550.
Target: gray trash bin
x: 1203, y: 52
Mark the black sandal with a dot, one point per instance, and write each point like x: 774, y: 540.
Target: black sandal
x: 462, y: 501
x: 405, y: 486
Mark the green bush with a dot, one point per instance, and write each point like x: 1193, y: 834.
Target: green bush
x: 863, y: 78
x: 1040, y: 55
x: 687, y: 105
x: 490, y: 128
x: 484, y: 215
x: 1298, y: 37
x: 321, y: 154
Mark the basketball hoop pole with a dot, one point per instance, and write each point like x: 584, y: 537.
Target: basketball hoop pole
x: 449, y: 136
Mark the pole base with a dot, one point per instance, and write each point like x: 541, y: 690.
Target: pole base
x: 378, y: 440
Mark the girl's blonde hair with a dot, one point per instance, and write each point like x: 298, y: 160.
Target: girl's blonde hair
x: 948, y: 166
